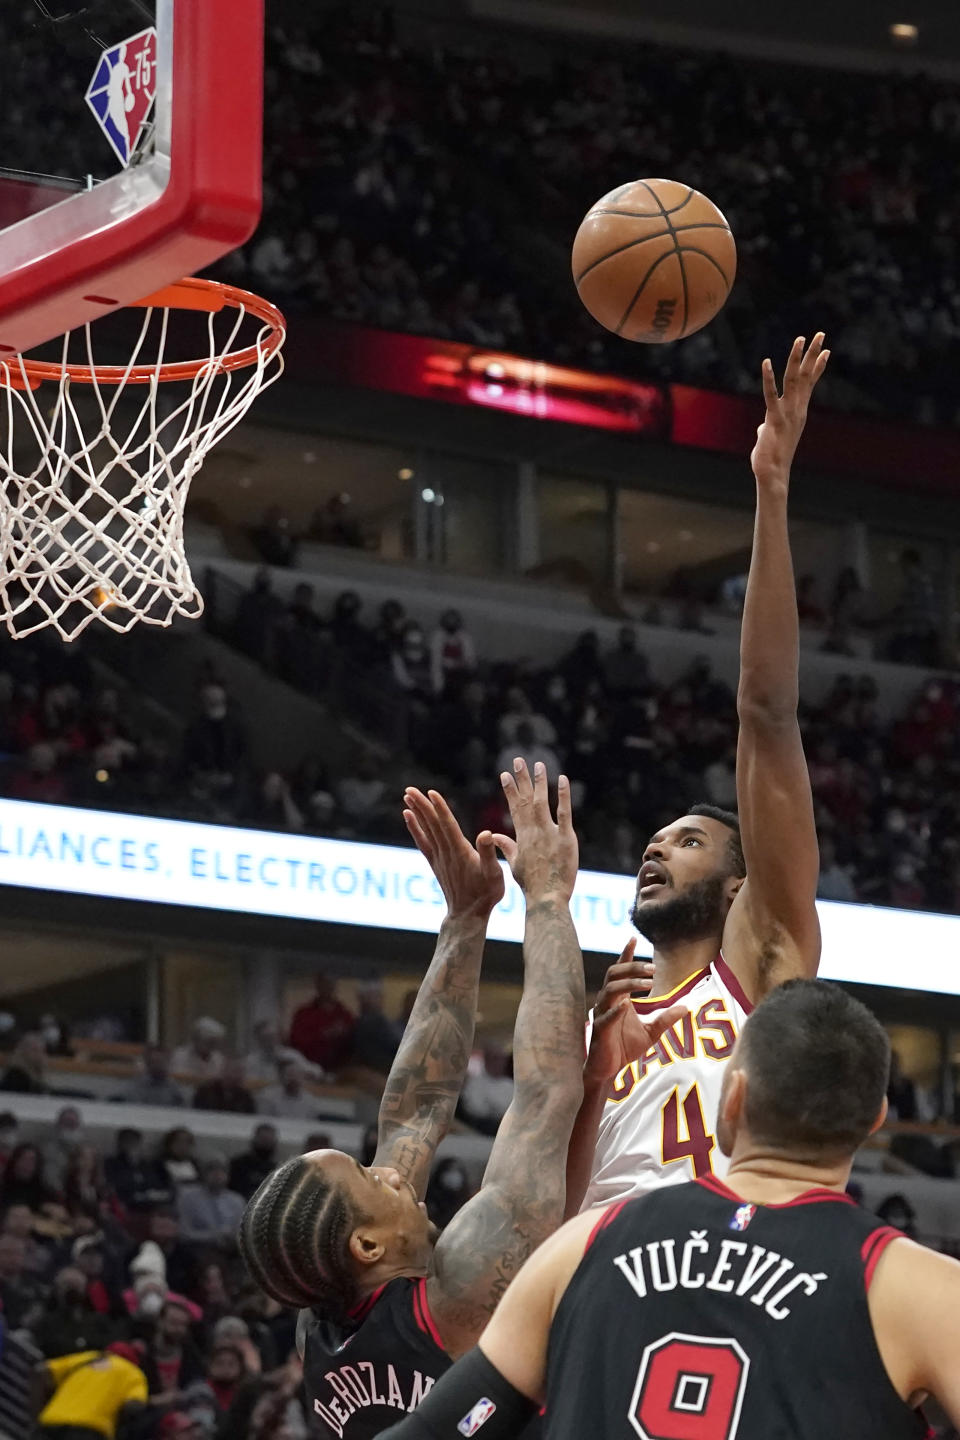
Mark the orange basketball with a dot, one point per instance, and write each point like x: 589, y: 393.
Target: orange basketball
x: 654, y: 261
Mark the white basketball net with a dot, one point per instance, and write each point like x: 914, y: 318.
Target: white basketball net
x: 92, y: 527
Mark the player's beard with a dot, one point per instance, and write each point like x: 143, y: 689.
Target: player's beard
x: 692, y: 915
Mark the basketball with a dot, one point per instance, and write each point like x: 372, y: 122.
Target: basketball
x: 654, y: 261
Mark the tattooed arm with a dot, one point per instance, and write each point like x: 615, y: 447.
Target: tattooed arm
x: 522, y: 1198
x: 429, y: 1069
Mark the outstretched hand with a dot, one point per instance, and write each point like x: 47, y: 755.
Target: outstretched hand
x: 545, y: 855
x: 779, y: 435
x: 619, y: 1034
x: 469, y: 875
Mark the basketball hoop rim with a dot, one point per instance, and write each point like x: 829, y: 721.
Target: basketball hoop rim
x: 210, y: 296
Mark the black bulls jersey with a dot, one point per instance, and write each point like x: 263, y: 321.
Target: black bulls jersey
x: 695, y: 1316
x: 365, y: 1376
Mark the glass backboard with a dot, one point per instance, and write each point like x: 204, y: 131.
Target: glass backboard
x: 130, y: 151
x: 53, y: 141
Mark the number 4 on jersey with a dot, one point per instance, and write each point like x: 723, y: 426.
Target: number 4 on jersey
x: 698, y: 1145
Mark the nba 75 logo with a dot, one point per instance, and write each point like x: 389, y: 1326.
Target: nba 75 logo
x: 478, y: 1416
x: 742, y: 1217
x: 122, y: 90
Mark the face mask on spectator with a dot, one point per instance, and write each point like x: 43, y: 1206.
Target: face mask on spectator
x: 150, y: 1304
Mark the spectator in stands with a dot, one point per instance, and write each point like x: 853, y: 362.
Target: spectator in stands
x: 809, y: 609
x: 835, y: 882
x: 210, y: 1213
x: 289, y: 1098
x: 488, y: 1091
x: 915, y: 638
x: 20, y: 1291
x: 94, y: 1392
x: 138, y: 1182
x: 40, y: 781
x: 625, y: 668
x: 226, y: 1091
x: 249, y: 1169
x: 59, y: 1149
x: 202, y: 1057
x: 453, y: 655
x: 410, y: 663
x: 84, y: 1183
x: 264, y: 1058
x: 177, y: 1156
x: 18, y: 1220
x: 333, y: 524
x: 172, y: 1361
x: 448, y: 1190
x: 259, y: 612
x: 226, y: 1371
x: 177, y: 1259
x: 387, y: 634
x: 90, y: 1256
x: 375, y: 1037
x: 274, y: 538
x: 348, y: 631
x: 901, y: 1091
x: 274, y: 807
x: 27, y: 1072
x: 24, y: 1182
x: 303, y: 643
x: 154, y: 1086
x: 69, y: 1322
x: 9, y: 1131
x: 215, y: 748
x: 519, y: 711
x: 322, y: 1030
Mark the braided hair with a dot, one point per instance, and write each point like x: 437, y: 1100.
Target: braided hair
x: 294, y: 1239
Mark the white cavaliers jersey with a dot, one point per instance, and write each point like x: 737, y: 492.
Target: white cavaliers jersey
x: 659, y: 1117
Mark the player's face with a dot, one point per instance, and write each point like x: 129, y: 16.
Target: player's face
x: 395, y: 1214
x: 684, y: 887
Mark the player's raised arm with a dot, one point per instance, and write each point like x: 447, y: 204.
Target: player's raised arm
x: 772, y: 932
x: 427, y: 1074
x: 522, y: 1197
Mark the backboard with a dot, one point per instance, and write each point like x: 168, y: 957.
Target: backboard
x: 131, y: 142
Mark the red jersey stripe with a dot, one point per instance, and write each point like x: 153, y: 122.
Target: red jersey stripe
x: 809, y: 1197
x: 364, y: 1306
x: 731, y: 982
x: 873, y: 1247
x: 611, y: 1212
x: 420, y: 1293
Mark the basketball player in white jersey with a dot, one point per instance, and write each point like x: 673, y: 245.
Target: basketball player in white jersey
x: 727, y: 901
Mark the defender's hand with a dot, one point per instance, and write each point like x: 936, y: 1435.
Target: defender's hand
x: 779, y: 435
x: 619, y: 1034
x: 469, y: 876
x: 545, y: 855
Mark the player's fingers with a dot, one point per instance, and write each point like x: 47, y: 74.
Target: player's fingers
x: 664, y: 1020
x: 617, y: 989
x: 522, y: 777
x: 564, y: 804
x: 771, y: 394
x: 507, y: 847
x: 487, y: 850
x: 821, y: 365
x: 418, y: 836
x: 446, y: 825
x: 811, y: 356
x: 628, y: 951
x: 603, y: 1019
x: 794, y: 360
x: 541, y: 791
x: 426, y: 815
